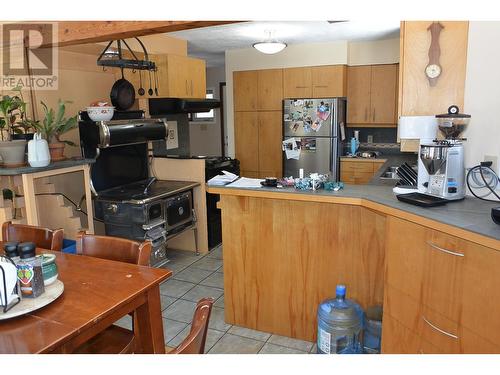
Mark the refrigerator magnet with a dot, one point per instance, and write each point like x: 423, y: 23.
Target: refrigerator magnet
x: 308, y: 104
x: 295, y: 125
x: 298, y: 103
x: 316, y: 125
x: 296, y: 115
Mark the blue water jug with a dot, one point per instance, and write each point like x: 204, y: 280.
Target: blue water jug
x: 354, y: 146
x: 340, y: 325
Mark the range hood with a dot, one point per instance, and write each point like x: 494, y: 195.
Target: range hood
x: 170, y: 106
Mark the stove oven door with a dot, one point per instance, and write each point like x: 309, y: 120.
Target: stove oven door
x: 178, y: 211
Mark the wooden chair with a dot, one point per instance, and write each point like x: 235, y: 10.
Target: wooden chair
x: 114, y: 339
x: 194, y: 343
x: 42, y: 237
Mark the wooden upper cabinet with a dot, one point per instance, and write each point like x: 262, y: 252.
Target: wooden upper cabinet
x: 372, y: 95
x: 270, y: 135
x: 178, y: 77
x: 258, y: 90
x: 416, y: 96
x: 329, y: 81
x: 384, y: 88
x: 246, y: 135
x: 270, y: 89
x: 358, y: 94
x: 245, y: 90
x: 297, y: 82
x: 198, y: 78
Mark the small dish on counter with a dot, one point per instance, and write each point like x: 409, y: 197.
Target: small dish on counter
x: 101, y: 113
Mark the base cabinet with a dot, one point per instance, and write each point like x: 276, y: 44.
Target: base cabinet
x: 279, y: 264
x: 442, y: 289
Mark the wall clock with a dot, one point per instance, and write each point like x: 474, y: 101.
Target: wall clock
x: 433, y: 70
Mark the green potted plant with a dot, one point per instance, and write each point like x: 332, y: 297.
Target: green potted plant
x: 53, y: 126
x: 12, y: 120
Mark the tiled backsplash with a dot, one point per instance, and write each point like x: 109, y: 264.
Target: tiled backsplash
x: 380, y: 135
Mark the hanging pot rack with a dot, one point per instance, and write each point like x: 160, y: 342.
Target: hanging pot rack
x: 115, y: 59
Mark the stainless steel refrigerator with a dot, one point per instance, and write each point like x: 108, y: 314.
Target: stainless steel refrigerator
x: 313, y: 130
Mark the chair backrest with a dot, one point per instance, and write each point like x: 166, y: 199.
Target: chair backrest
x: 194, y: 343
x: 114, y: 248
x: 42, y: 237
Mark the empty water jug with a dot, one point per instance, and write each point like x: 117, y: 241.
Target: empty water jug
x: 340, y: 324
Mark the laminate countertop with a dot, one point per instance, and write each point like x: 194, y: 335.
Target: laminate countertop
x: 71, y: 162
x: 469, y: 218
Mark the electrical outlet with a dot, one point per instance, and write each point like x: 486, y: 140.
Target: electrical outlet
x: 494, y: 160
x: 370, y: 139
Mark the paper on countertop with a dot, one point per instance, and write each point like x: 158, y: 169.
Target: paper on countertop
x: 292, y: 150
x: 245, y: 182
x: 222, y: 179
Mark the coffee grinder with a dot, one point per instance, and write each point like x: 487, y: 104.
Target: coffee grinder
x: 443, y: 159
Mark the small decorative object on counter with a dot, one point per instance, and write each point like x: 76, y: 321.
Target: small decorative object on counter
x: 333, y: 186
x: 314, y: 182
x: 287, y: 181
x: 340, y: 325
x: 10, y: 250
x: 29, y: 271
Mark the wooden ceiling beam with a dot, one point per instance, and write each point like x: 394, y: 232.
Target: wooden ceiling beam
x: 82, y: 32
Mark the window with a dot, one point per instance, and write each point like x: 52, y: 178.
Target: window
x: 206, y: 116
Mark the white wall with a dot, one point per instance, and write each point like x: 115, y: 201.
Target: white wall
x: 374, y: 52
x: 205, y: 138
x: 309, y: 54
x: 482, y: 85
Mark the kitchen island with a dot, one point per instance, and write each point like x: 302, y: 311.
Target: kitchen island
x: 435, y: 270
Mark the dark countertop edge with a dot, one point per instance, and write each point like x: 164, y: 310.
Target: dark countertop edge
x: 391, y: 202
x: 52, y: 166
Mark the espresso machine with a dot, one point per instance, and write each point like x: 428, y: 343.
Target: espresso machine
x: 443, y: 159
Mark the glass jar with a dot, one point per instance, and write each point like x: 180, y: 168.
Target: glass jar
x: 29, y: 271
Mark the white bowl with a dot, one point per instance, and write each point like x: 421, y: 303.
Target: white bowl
x: 100, y: 113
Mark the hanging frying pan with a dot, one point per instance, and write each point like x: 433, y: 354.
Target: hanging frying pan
x: 122, y: 94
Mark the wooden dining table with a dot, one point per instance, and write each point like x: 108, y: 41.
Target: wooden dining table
x: 97, y: 292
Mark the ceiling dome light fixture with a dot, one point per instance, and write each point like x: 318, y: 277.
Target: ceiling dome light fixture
x: 270, y: 46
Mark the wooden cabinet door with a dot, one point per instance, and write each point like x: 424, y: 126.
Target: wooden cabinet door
x: 383, y: 94
x: 405, y: 256
x: 177, y: 77
x: 481, y: 292
x: 270, y: 137
x: 358, y: 94
x: 245, y: 90
x: 329, y: 81
x: 297, y: 82
x: 197, y: 79
x: 270, y: 90
x: 246, y: 136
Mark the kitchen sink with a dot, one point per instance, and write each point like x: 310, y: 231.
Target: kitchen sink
x: 391, y: 173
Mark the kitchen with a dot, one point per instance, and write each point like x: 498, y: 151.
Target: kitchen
x: 251, y: 319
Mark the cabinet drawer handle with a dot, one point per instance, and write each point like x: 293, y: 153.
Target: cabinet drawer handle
x: 439, y: 329
x: 366, y: 114
x: 373, y: 114
x: 301, y: 87
x: 444, y: 250
x: 321, y: 86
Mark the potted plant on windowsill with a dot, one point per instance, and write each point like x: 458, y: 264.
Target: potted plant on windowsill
x: 12, y: 120
x: 53, y: 126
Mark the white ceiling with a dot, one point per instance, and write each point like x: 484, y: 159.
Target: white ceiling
x: 210, y: 43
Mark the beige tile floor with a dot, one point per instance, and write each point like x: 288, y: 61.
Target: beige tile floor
x: 202, y: 276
